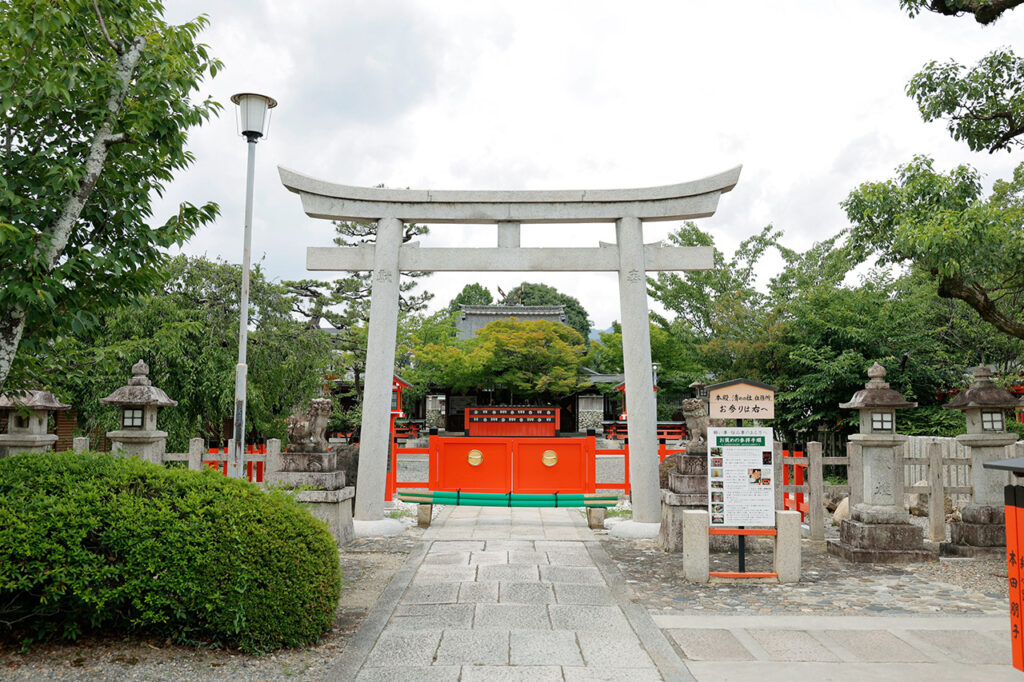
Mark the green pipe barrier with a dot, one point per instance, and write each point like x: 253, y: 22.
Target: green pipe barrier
x: 576, y: 497
x: 510, y: 503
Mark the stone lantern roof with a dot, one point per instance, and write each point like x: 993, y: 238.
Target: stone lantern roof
x: 877, y: 394
x: 982, y: 393
x: 33, y: 400
x: 139, y: 391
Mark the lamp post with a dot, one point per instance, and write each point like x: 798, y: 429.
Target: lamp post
x: 252, y: 118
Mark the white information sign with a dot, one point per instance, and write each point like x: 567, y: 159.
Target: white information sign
x: 741, y: 489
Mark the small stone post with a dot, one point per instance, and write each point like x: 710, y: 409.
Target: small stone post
x: 80, y: 443
x: 27, y: 433
x: 816, y: 492
x: 879, y: 528
x: 696, y: 549
x: 196, y: 446
x: 787, y: 546
x: 982, y: 530
x: 937, y: 494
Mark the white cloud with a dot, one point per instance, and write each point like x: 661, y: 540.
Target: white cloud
x: 808, y: 95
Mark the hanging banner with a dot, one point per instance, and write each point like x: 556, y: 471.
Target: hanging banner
x: 741, y: 489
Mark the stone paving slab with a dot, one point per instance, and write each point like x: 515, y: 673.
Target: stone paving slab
x: 589, y: 619
x: 594, y: 595
x: 545, y: 648
x: 434, y: 673
x: 703, y: 644
x: 579, y: 575
x: 791, y: 645
x: 968, y: 649
x: 431, y: 616
x: 611, y: 675
x: 733, y: 671
x: 526, y: 593
x: 473, y: 647
x: 874, y: 646
x: 512, y: 617
x: 611, y: 650
x: 531, y: 673
x: 508, y: 572
x: 411, y: 648
x: 479, y: 592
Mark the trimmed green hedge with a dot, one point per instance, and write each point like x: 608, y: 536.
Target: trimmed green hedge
x: 90, y: 542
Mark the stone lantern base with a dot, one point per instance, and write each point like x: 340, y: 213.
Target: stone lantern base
x: 981, y: 533
x: 13, y: 444
x: 146, y: 445
x: 884, y: 543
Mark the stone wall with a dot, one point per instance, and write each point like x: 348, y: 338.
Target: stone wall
x: 589, y: 419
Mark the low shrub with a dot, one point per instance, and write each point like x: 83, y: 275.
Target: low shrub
x: 90, y: 541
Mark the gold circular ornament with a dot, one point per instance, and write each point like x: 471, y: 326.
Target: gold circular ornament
x: 549, y: 458
x: 475, y: 457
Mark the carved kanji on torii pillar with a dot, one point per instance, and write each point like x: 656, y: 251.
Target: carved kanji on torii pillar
x: 629, y: 256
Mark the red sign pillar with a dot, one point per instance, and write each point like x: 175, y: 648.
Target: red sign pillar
x: 1014, y: 497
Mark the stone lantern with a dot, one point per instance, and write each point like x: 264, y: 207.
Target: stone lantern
x: 27, y: 433
x: 983, y: 530
x: 879, y: 529
x: 139, y: 401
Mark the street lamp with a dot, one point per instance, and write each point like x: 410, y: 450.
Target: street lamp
x: 252, y: 118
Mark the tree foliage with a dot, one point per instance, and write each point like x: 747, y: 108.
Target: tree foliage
x: 95, y: 110
x: 983, y: 11
x: 188, y: 335
x: 471, y: 294
x: 542, y: 294
x: 983, y: 105
x: 528, y: 360
x: 973, y: 246
x: 345, y: 303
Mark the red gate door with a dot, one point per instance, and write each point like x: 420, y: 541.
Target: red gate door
x: 548, y: 465
x: 473, y: 465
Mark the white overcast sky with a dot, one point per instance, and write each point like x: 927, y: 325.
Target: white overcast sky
x: 808, y: 95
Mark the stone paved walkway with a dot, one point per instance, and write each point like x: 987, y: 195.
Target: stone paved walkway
x: 529, y: 594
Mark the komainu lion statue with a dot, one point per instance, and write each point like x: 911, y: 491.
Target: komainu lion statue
x: 695, y: 412
x: 306, y: 431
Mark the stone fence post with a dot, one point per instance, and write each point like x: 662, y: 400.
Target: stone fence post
x: 196, y: 446
x: 80, y: 443
x: 273, y: 458
x: 816, y: 492
x: 936, y: 494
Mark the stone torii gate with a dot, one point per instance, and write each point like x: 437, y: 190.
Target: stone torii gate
x: 629, y: 256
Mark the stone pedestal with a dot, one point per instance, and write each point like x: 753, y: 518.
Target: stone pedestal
x: 980, y: 533
x: 13, y: 444
x: 146, y: 445
x: 321, y: 487
x: 892, y: 543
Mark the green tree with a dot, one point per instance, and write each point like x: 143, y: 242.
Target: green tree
x: 530, y: 360
x: 345, y: 303
x: 471, y: 294
x: 972, y: 246
x: 983, y: 105
x: 94, y: 113
x: 188, y: 335
x: 541, y: 294
x: 983, y: 11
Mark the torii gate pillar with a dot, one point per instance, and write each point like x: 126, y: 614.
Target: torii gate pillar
x: 630, y: 257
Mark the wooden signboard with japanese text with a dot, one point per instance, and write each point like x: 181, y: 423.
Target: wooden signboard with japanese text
x: 741, y: 399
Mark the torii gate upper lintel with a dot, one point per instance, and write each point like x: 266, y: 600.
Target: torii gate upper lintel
x: 629, y: 256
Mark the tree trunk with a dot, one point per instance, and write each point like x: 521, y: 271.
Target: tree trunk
x: 12, y: 319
